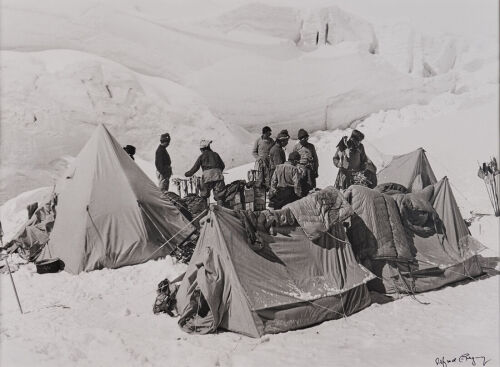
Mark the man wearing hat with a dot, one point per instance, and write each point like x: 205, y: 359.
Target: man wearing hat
x: 308, y: 161
x: 354, y: 165
x: 277, y: 153
x: 260, y: 151
x: 286, y: 183
x: 163, y: 163
x: 212, y: 167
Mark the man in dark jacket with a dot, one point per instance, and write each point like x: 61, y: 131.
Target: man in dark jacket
x: 286, y: 183
x: 308, y: 161
x: 277, y: 153
x: 212, y: 167
x: 260, y: 151
x: 163, y: 163
x: 354, y: 165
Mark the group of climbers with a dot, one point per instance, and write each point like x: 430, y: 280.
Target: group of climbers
x: 285, y: 181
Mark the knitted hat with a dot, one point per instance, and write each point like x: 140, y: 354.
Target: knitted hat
x: 205, y: 143
x: 294, y: 156
x: 302, y: 134
x: 283, y: 135
x: 164, y: 137
x: 357, y: 135
x: 266, y: 129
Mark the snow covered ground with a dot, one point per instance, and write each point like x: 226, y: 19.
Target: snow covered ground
x: 408, y: 74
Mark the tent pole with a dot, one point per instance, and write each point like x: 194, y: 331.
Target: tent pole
x: 175, y: 235
x: 184, y: 240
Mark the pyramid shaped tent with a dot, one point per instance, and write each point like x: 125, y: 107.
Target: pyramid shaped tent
x: 109, y: 213
x: 291, y: 283
x: 442, y: 257
x: 457, y: 232
x: 405, y: 260
x: 412, y: 170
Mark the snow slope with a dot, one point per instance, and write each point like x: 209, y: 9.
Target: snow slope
x: 52, y: 101
x: 144, y: 67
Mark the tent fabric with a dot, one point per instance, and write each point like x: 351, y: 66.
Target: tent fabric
x: 430, y: 259
x: 30, y: 240
x: 412, y: 170
x: 110, y: 214
x: 290, y: 283
x: 457, y: 232
x: 443, y: 251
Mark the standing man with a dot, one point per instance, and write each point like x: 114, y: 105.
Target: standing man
x: 277, y: 153
x: 286, y: 183
x: 163, y: 163
x: 212, y: 167
x: 354, y: 165
x: 308, y: 161
x: 260, y: 151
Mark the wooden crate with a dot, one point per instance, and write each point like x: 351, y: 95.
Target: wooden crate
x: 249, y: 199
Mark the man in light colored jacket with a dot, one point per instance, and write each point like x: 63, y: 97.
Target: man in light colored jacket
x: 260, y: 151
x: 286, y: 185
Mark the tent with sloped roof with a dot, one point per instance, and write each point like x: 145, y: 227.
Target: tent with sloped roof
x: 412, y: 170
x: 292, y: 282
x: 441, y: 254
x: 109, y: 213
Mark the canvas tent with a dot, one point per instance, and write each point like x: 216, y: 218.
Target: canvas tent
x: 293, y: 282
x: 414, y: 261
x: 412, y: 170
x: 109, y: 213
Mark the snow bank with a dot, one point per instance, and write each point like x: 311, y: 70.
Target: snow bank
x: 53, y: 100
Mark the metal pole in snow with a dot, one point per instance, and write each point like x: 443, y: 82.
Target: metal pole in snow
x: 14, y: 286
x: 8, y: 268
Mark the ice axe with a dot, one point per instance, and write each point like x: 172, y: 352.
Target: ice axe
x: 8, y: 268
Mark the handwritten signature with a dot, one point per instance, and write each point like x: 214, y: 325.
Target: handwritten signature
x: 466, y: 357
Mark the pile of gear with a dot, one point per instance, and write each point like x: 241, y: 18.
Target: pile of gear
x: 31, y: 238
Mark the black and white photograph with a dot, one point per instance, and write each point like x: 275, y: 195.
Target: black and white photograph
x: 245, y: 183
